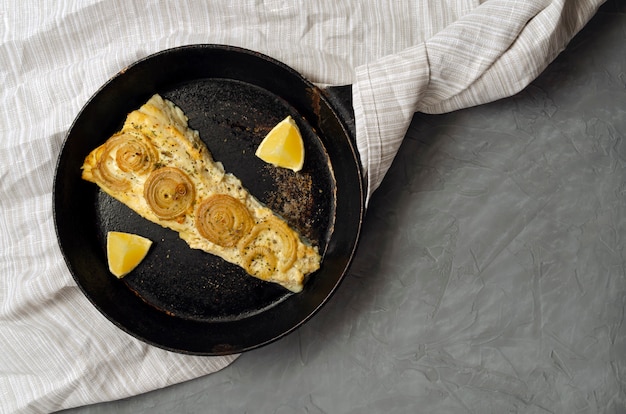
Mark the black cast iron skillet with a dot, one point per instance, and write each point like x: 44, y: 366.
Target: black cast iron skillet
x: 185, y: 300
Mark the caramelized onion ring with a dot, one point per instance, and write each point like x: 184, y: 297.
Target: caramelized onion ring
x: 130, y: 152
x: 135, y: 154
x: 274, y: 233
x: 169, y: 192
x: 223, y: 220
x: 105, y: 172
x: 260, y: 262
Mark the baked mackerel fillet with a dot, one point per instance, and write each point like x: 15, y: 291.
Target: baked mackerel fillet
x: 159, y: 167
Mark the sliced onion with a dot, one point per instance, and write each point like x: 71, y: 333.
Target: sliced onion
x: 169, y: 192
x: 276, y: 235
x: 122, y: 153
x: 223, y: 220
x: 135, y: 153
x: 260, y: 262
x: 105, y: 172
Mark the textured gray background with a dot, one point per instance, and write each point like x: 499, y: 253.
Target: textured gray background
x: 491, y: 273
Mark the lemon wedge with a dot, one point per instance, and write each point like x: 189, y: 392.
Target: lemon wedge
x: 283, y: 146
x: 125, y: 251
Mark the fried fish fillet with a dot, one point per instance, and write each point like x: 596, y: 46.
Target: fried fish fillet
x: 159, y: 167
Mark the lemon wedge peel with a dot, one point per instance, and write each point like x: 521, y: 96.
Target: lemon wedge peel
x: 283, y: 146
x: 125, y: 251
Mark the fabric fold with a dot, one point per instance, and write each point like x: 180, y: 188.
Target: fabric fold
x: 492, y: 52
x: 385, y: 97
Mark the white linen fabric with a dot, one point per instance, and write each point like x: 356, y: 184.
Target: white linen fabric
x: 401, y: 57
x: 491, y: 52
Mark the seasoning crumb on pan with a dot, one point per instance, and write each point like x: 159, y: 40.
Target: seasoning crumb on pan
x: 293, y: 198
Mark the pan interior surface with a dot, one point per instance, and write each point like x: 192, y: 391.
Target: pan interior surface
x: 232, y: 117
x: 186, y: 300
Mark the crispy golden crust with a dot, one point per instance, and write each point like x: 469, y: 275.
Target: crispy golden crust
x: 159, y: 167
